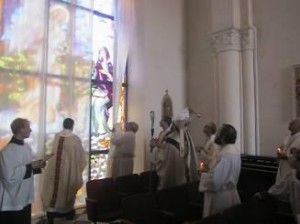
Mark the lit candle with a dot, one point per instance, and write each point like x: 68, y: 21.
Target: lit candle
x: 201, y: 166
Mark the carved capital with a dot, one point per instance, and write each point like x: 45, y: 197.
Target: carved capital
x: 248, y: 36
x: 227, y: 40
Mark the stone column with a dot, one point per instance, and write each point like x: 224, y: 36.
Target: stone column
x: 226, y: 46
x: 249, y: 90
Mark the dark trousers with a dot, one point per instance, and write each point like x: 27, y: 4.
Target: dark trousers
x: 16, y: 217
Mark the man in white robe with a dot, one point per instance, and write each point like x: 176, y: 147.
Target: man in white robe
x: 16, y: 176
x: 292, y: 141
x: 169, y: 164
x: 122, y: 154
x: 187, y: 147
x: 63, y: 173
x: 288, y: 188
x: 219, y: 184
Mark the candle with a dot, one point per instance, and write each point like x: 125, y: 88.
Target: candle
x: 202, y: 167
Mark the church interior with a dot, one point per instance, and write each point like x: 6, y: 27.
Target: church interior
x: 103, y: 62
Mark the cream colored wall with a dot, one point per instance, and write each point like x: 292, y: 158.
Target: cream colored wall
x: 278, y: 45
x: 156, y: 64
x: 200, y: 75
x: 278, y: 31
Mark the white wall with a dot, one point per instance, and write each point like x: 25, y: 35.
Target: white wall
x: 278, y: 32
x: 156, y: 64
x: 200, y: 75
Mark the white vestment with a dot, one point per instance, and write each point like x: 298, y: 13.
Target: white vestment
x: 284, y: 167
x: 15, y: 191
x: 63, y: 173
x: 187, y: 148
x: 122, y: 154
x: 210, y: 152
x: 169, y: 165
x: 219, y: 184
x: 288, y: 189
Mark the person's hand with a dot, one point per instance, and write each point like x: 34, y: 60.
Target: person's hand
x: 281, y: 154
x: 38, y: 164
x: 203, y: 168
x: 153, y: 142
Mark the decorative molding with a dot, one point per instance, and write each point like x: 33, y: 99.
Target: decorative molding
x: 247, y: 39
x: 226, y: 40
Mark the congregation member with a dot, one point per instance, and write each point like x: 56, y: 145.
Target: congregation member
x: 16, y: 175
x: 63, y: 173
x: 283, y: 152
x: 219, y: 184
x: 209, y: 154
x: 288, y: 188
x: 122, y: 153
x: 168, y: 163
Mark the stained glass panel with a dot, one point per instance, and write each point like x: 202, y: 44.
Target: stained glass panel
x: 102, y: 87
x: 21, y: 41
x: 103, y: 42
x: 81, y: 111
x: 59, y: 38
x: 82, y: 48
x: 56, y: 107
x: 19, y: 97
x: 101, y: 116
x: 98, y: 166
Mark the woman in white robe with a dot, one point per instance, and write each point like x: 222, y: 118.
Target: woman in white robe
x: 219, y: 184
x: 122, y: 156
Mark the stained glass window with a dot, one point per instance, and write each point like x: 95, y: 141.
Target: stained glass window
x: 56, y: 61
x: 102, y: 92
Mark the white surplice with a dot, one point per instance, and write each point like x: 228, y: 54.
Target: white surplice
x: 15, y: 191
x: 210, y: 152
x: 288, y: 189
x: 284, y: 167
x: 63, y: 173
x: 121, y: 157
x: 169, y: 165
x: 220, y: 183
